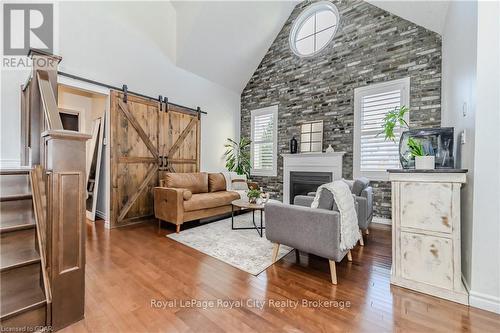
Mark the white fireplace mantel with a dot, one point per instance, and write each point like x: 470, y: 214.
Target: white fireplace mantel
x: 310, y: 162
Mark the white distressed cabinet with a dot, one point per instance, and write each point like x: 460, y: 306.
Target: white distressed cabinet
x: 426, y: 232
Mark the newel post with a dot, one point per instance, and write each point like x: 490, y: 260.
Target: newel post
x: 64, y: 159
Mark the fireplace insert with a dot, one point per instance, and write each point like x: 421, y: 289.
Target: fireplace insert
x: 302, y: 182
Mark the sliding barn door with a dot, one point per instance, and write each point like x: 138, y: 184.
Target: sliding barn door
x: 179, y: 140
x: 147, y: 139
x: 134, y: 157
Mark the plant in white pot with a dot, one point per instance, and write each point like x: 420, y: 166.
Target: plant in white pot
x: 423, y: 161
x: 396, y: 118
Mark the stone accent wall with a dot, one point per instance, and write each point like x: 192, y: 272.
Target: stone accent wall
x: 371, y: 46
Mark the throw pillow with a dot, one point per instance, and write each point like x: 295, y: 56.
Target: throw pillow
x: 359, y: 185
x: 216, y: 182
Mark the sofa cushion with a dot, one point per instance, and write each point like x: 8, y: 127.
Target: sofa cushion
x: 196, y: 182
x: 210, y: 200
x: 359, y: 185
x: 216, y: 182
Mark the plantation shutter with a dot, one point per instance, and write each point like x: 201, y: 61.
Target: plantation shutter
x: 264, y: 137
x: 376, y: 153
x: 373, y: 154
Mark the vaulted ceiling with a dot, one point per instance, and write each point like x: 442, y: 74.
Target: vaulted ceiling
x: 428, y: 14
x: 224, y: 41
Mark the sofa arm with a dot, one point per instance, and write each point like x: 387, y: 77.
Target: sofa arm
x: 311, y: 230
x: 168, y: 203
x: 368, y: 194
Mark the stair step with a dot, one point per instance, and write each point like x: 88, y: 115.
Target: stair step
x: 16, y: 215
x: 14, y: 184
x: 18, y: 249
x: 21, y: 291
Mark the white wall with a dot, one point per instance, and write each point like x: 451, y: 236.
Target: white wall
x: 459, y: 88
x: 109, y: 42
x: 485, y: 279
x: 471, y: 74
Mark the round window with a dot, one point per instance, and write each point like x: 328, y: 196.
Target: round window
x: 314, y: 28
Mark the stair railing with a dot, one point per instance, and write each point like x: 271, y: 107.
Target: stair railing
x: 39, y: 193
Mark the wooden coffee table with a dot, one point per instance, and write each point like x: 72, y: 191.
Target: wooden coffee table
x: 244, y: 204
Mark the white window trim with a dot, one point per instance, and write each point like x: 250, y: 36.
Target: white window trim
x: 267, y: 110
x: 306, y: 13
x: 404, y: 86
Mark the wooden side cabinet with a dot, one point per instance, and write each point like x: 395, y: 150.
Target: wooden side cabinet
x: 426, y: 232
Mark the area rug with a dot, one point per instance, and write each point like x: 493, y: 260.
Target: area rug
x: 243, y: 249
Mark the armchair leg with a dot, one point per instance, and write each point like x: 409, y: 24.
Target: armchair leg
x: 177, y: 228
x: 333, y: 271
x: 276, y: 250
x: 349, y: 256
x: 367, y: 231
x: 361, y: 241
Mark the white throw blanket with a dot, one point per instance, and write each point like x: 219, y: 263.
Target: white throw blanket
x: 349, y: 229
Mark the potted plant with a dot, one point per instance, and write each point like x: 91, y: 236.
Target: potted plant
x: 238, y: 156
x: 394, y: 119
x: 422, y: 159
x: 253, y: 195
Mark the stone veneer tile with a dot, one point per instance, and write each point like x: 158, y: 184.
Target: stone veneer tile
x: 371, y: 46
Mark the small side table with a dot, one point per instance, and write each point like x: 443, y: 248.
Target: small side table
x: 244, y: 204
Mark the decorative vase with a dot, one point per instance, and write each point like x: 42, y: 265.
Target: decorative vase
x: 329, y: 149
x: 252, y: 200
x: 424, y: 162
x: 293, y: 146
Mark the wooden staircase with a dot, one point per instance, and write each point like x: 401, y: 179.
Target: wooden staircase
x: 42, y: 212
x: 23, y: 301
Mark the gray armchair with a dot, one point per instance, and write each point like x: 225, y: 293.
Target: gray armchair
x: 311, y: 230
x: 363, y: 195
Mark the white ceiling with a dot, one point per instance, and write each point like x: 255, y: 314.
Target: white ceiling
x: 428, y: 14
x: 224, y: 41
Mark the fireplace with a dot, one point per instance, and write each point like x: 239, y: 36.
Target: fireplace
x: 310, y: 166
x: 302, y: 182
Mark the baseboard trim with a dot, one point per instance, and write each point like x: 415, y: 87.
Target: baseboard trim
x: 484, y: 302
x: 381, y: 220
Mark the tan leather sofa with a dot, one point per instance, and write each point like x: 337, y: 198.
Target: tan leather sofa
x: 183, y: 197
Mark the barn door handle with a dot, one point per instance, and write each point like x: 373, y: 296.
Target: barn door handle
x: 160, y: 162
x: 165, y: 162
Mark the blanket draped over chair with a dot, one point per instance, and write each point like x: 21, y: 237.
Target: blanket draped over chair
x: 349, y: 229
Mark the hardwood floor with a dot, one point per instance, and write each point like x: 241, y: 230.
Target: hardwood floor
x: 127, y: 268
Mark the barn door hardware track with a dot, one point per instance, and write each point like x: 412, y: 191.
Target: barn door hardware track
x: 126, y: 92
